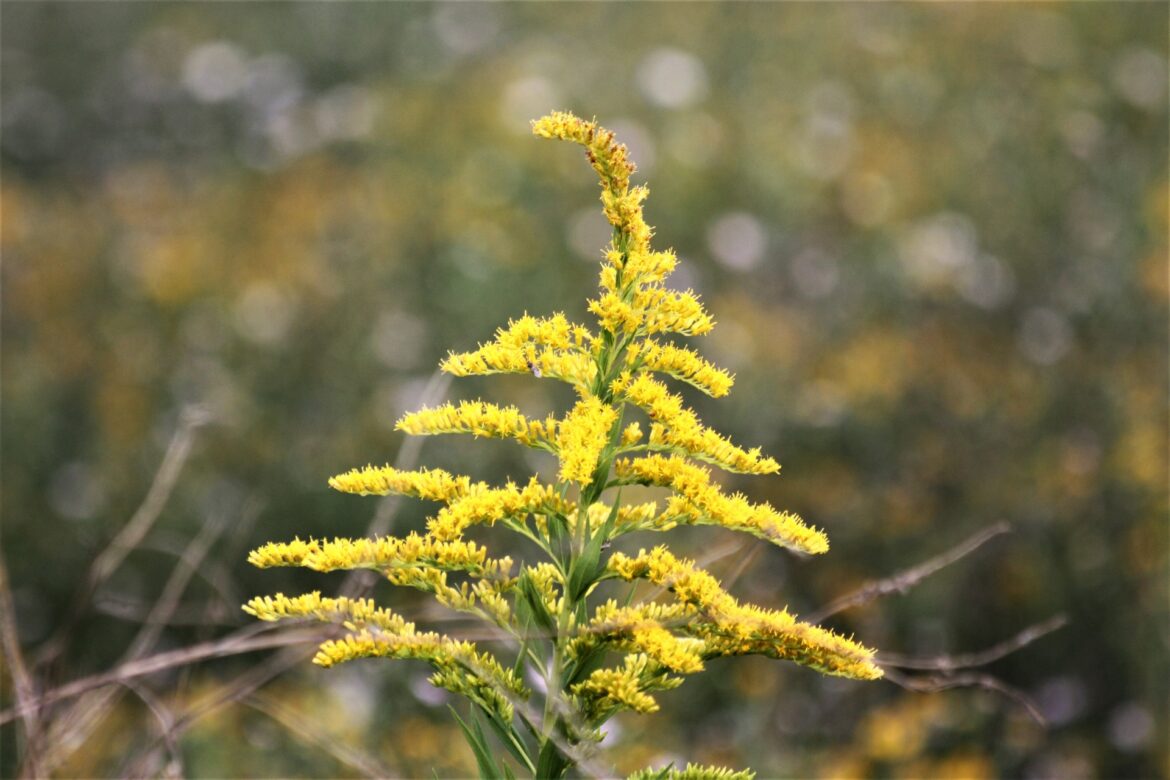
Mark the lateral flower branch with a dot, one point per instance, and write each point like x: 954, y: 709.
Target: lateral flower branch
x: 594, y: 658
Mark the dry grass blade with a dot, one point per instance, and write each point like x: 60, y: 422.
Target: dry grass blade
x: 314, y: 736
x: 166, y: 724
x: 73, y: 727
x: 26, y: 697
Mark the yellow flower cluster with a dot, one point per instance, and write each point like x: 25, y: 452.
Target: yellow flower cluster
x: 581, y: 437
x: 459, y: 666
x: 608, y: 370
x: 611, y: 160
x: 375, y: 631
x: 683, y: 364
x: 640, y: 266
x: 429, y: 484
x: 484, y: 505
x: 632, y: 434
x: 730, y: 628
x: 608, y: 690
x: 551, y: 347
x: 677, y: 427
x: 649, y: 308
x: 383, y: 553
x: 480, y: 419
x: 702, y: 503
x: 480, y: 678
x: 643, y: 629
x: 694, y: 772
x: 349, y: 612
x: 652, y: 310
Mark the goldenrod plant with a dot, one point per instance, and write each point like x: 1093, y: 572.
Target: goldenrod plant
x: 574, y: 660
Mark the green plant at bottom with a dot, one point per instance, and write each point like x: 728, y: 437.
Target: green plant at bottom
x: 593, y: 658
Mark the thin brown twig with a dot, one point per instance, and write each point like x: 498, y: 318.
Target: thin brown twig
x: 22, y: 682
x: 947, y: 663
x: 246, y: 640
x: 140, y: 523
x: 236, y: 689
x: 942, y: 682
x: 85, y: 713
x: 902, y: 581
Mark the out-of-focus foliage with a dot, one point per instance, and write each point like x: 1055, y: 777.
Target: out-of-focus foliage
x: 936, y: 235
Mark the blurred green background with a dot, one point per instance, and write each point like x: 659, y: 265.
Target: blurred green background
x: 933, y: 237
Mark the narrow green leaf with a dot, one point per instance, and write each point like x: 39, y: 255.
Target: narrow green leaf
x: 509, y: 738
x: 483, y: 756
x: 551, y: 764
x: 588, y: 566
x: 525, y: 621
x: 536, y: 608
x: 559, y: 537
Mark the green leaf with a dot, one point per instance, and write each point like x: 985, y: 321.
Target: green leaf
x: 551, y: 764
x: 525, y: 621
x: 488, y: 770
x: 533, y: 602
x: 508, y: 737
x: 588, y: 565
x: 558, y: 536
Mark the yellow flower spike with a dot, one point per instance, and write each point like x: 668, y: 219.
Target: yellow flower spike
x: 644, y: 629
x: 615, y: 314
x: 548, y: 347
x: 646, y: 267
x: 282, y: 553
x: 488, y: 505
x: 607, y: 690
x: 679, y: 428
x: 630, y: 517
x: 411, y: 561
x: 609, y: 158
x: 702, y: 503
x: 548, y: 603
x: 729, y: 628
x: 685, y: 365
x: 429, y: 484
x: 673, y: 312
x: 331, y: 610
x: 479, y: 419
x: 694, y: 772
x: 581, y: 437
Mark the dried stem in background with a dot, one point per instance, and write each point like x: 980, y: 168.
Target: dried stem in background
x: 907, y: 578
x: 107, y: 562
x: 27, y: 702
